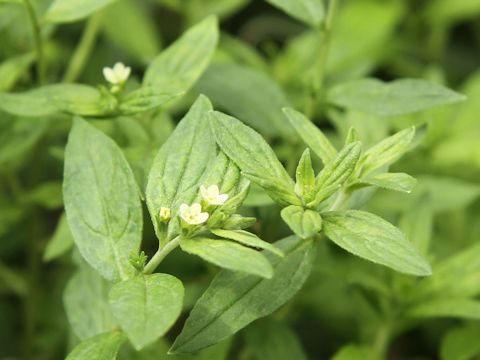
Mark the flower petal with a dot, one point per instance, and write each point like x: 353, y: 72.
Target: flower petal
x: 202, y: 217
x: 196, y: 208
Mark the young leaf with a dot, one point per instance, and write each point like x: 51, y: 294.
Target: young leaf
x: 387, y: 151
x: 63, y: 11
x: 305, y: 177
x: 252, y: 154
x: 184, y: 61
x: 61, y: 241
x: 233, y: 300
x: 372, y: 238
x: 312, y: 135
x: 249, y: 239
x: 303, y: 222
x: 389, y: 99
x: 146, y: 306
x: 280, y: 192
x: 335, y: 173
x: 392, y: 181
x: 229, y: 255
x: 102, y: 201
x: 310, y: 12
x: 182, y: 162
x: 104, y: 346
x: 146, y: 98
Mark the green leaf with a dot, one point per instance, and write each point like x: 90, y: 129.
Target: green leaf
x: 281, y: 193
x: 273, y: 340
x: 183, y: 62
x: 63, y: 11
x: 13, y: 68
x: 305, y: 177
x: 398, y: 97
x: 310, y: 12
x: 303, y: 222
x: 61, y: 241
x: 229, y: 255
x: 101, y: 347
x: 336, y: 172
x: 146, y: 306
x: 146, y: 98
x: 392, y: 181
x: 249, y: 239
x: 229, y: 87
x: 372, y: 238
x: 102, y: 201
x: 387, y: 151
x: 70, y: 98
x: 86, y: 303
x: 252, y: 155
x: 182, y: 162
x: 447, y: 307
x: 126, y: 35
x: 47, y: 195
x: 312, y: 135
x: 461, y: 343
x: 233, y: 299
x: 353, y: 352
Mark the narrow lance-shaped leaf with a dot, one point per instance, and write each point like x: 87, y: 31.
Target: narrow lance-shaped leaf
x: 246, y: 238
x: 392, y: 181
x: 252, y: 154
x: 372, y: 238
x: 233, y: 300
x: 229, y: 255
x: 305, y: 176
x: 395, y: 98
x: 312, y: 135
x: 179, y: 66
x: 386, y: 151
x: 102, y: 201
x: 182, y: 162
x: 146, y: 306
x: 104, y: 346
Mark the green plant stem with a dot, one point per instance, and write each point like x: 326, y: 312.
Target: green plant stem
x: 84, y: 48
x: 382, y: 339
x: 160, y: 255
x: 321, y: 63
x: 37, y: 39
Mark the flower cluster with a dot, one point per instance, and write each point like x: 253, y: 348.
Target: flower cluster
x: 193, y: 214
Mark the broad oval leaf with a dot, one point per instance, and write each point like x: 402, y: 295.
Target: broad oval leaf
x: 102, y: 347
x: 186, y: 59
x: 233, y: 300
x: 398, y: 97
x: 182, y: 162
x: 310, y: 12
x: 249, y: 239
x: 303, y: 222
x: 372, y: 238
x: 146, y: 306
x: 229, y: 255
x: 102, y: 201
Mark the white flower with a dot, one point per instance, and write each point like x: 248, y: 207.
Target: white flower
x: 118, y: 74
x: 193, y: 214
x: 165, y: 213
x: 212, y: 195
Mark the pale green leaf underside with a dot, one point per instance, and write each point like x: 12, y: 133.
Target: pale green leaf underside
x: 372, y: 238
x: 233, y: 299
x: 229, y: 255
x: 146, y: 306
x: 102, y: 201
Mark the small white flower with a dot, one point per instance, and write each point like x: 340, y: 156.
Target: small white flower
x: 165, y: 214
x: 118, y: 74
x: 193, y: 214
x: 212, y: 195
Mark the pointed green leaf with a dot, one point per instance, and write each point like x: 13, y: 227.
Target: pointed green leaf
x: 184, y: 61
x: 303, y: 222
x: 310, y: 12
x: 146, y: 98
x: 392, y: 181
x: 233, y: 300
x: 372, y: 238
x: 229, y: 255
x: 305, y: 177
x: 102, y: 201
x: 63, y: 11
x: 395, y: 98
x: 246, y: 238
x: 312, y: 135
x: 146, y: 306
x: 101, y: 347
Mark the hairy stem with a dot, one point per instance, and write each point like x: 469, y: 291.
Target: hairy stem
x: 37, y: 39
x: 160, y: 255
x: 84, y: 48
